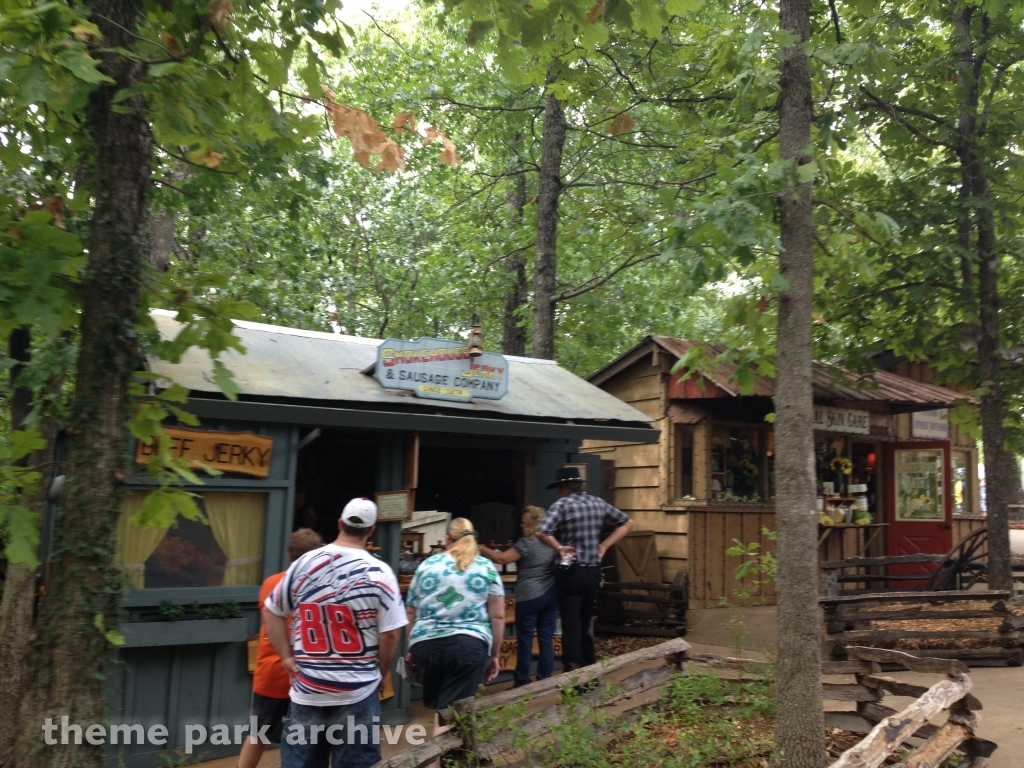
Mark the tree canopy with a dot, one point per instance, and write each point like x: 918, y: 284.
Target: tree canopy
x: 789, y: 179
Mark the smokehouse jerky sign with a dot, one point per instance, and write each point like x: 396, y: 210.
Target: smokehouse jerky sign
x: 241, y: 452
x: 438, y: 369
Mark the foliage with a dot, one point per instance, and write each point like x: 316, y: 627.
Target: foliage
x: 898, y: 268
x: 419, y: 252
x: 757, y: 566
x: 700, y: 720
x: 19, y: 525
x: 227, y: 610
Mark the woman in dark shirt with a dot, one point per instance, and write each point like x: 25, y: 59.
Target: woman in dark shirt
x: 536, y: 601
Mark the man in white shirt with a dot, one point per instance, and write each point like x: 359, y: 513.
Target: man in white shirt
x: 348, y: 619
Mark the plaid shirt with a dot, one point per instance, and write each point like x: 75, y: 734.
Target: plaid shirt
x: 577, y: 520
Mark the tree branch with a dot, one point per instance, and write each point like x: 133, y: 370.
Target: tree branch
x: 894, y: 112
x: 185, y: 160
x: 598, y: 281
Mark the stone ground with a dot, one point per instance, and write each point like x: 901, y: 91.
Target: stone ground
x: 724, y: 631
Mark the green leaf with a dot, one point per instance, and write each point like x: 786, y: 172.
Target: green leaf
x: 647, y: 16
x: 167, y: 67
x: 806, y: 172
x: 682, y: 7
x: 333, y: 43
x: 24, y: 441
x: 478, y: 31
x: 22, y: 533
x: 225, y: 380
x: 175, y: 394
x: 83, y: 66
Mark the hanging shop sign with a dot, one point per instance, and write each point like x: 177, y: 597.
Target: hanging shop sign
x: 394, y: 505
x: 242, y: 452
x: 933, y: 425
x: 438, y: 369
x: 842, y: 420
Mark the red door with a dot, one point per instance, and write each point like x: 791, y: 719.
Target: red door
x: 920, y: 504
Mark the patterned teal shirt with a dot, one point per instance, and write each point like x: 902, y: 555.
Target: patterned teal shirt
x: 450, y: 602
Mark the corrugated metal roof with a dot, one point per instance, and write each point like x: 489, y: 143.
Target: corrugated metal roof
x: 831, y: 382
x: 306, y: 365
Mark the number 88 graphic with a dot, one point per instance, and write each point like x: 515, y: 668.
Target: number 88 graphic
x: 337, y: 631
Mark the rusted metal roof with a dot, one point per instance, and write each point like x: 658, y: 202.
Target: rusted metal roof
x: 831, y: 382
x: 308, y: 366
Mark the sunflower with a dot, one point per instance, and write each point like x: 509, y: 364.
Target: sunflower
x: 841, y: 464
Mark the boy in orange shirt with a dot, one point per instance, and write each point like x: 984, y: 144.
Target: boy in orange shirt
x: 270, y: 681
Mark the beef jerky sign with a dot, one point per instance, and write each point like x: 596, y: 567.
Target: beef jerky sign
x: 241, y: 452
x: 438, y: 369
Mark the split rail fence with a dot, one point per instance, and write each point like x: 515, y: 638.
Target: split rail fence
x: 475, y: 740
x: 982, y: 628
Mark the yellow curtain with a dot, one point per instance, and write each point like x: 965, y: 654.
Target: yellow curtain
x: 135, y: 543
x: 237, y: 521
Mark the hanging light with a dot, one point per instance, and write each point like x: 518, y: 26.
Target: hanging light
x: 476, y: 338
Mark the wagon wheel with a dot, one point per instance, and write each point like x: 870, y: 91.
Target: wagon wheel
x: 964, y: 565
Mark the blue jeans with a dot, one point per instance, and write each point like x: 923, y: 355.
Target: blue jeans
x: 332, y: 734
x: 540, y: 613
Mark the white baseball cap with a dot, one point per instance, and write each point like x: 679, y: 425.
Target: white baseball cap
x: 359, y: 513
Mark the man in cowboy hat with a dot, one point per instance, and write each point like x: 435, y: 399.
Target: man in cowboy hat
x: 573, y: 528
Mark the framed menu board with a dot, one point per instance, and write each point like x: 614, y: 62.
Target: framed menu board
x: 393, y: 505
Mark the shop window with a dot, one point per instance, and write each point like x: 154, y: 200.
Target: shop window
x: 684, y: 462
x: 739, y: 463
x: 225, y: 551
x: 963, y: 483
x: 919, y: 484
x: 834, y: 464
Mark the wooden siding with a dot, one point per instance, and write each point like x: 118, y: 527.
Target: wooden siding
x: 962, y: 526
x: 646, y: 488
x: 643, y: 483
x: 712, y: 530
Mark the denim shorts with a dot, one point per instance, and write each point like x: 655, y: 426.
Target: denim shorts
x: 451, y: 668
x: 346, y: 735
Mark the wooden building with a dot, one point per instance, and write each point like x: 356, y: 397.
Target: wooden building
x: 708, y: 481
x: 312, y: 429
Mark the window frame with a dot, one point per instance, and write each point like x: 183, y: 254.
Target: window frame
x: 973, y: 491
x: 274, y: 542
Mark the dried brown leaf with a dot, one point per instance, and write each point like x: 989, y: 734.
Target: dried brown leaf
x: 449, y: 156
x: 206, y: 157
x: 366, y: 136
x: 220, y: 14
x: 623, y: 123
x: 596, y: 12
x: 170, y: 42
x: 402, y: 121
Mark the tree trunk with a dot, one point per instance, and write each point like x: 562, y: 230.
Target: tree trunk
x: 20, y: 583
x: 513, y: 340
x: 71, y: 653
x: 1001, y: 481
x: 799, y: 724
x: 545, y: 248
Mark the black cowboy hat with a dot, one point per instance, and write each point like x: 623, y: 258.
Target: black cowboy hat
x: 566, y: 475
